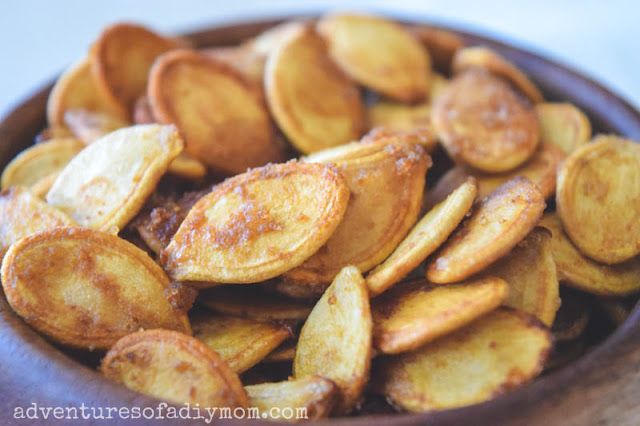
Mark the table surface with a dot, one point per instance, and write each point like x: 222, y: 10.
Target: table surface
x: 38, y: 39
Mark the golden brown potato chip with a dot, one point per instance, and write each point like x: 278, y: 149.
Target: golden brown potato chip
x: 386, y: 189
x: 241, y: 342
x: 485, y: 124
x: 77, y: 88
x: 598, y: 198
x: 573, y: 316
x: 106, y: 184
x: 563, y: 125
x: 497, y: 353
x: 186, y: 166
x: 579, y: 271
x: 252, y: 302
x: 23, y: 213
x: 425, y: 237
x: 415, y: 313
x: 39, y: 161
x: 530, y: 271
x: 314, y: 394
x: 312, y: 101
x: 121, y: 59
x: 285, y: 352
x: 87, y: 289
x: 483, y: 57
x: 378, y: 54
x: 397, y: 116
x: 221, y: 116
x: 89, y: 126
x: 335, y: 341
x: 441, y: 44
x: 499, y: 222
x: 174, y: 367
x: 257, y: 225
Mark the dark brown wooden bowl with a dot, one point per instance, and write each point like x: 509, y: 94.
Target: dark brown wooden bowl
x: 602, y: 387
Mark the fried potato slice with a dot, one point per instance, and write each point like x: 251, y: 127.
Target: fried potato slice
x: 221, y: 116
x: 106, y: 184
x: 484, y: 123
x: 563, y: 125
x: 386, y: 189
x: 258, y: 225
x: 335, y: 341
x: 378, y: 54
x: 441, y: 44
x: 77, y: 88
x: 577, y: 270
x: 399, y: 117
x: 254, y: 303
x: 22, y: 213
x: 174, y: 367
x: 483, y: 57
x: 312, y: 101
x: 87, y: 289
x: 425, y: 237
x: 241, y: 342
x: 121, y: 59
x: 499, y: 222
x: 573, y: 316
x: 315, y: 394
x: 598, y: 198
x: 89, y: 126
x: 530, y: 271
x: 188, y: 167
x: 39, y: 161
x: 415, y: 313
x: 497, y: 353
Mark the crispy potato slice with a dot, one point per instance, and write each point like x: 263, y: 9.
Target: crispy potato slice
x: 315, y: 394
x: 121, y: 59
x: 254, y: 303
x: 386, y: 189
x: 39, y: 161
x: 77, y: 88
x: 531, y: 273
x: 312, y: 101
x: 415, y: 313
x: 573, y: 316
x: 241, y: 342
x: 283, y: 353
x: 397, y: 116
x: 425, y: 237
x: 483, y: 57
x: 335, y: 341
x: 497, y: 353
x: 485, y: 124
x: 577, y: 270
x: 106, y: 184
x: 174, y: 367
x: 598, y: 198
x: 441, y: 44
x: 219, y: 113
x: 89, y: 126
x: 22, y: 213
x: 499, y: 222
x: 257, y: 225
x: 378, y: 54
x: 563, y: 125
x: 87, y: 289
x: 188, y: 167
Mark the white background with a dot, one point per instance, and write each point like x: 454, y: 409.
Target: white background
x: 601, y: 38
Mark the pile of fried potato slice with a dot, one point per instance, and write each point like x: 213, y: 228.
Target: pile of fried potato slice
x: 252, y: 226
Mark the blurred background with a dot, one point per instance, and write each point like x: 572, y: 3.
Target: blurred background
x: 38, y: 39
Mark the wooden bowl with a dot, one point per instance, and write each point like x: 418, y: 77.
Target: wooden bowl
x: 601, y: 387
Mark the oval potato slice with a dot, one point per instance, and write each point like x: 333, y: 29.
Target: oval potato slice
x: 497, y: 353
x: 563, y: 125
x: 312, y: 101
x: 107, y: 183
x: 87, y: 289
x: 425, y: 237
x: 598, y: 198
x: 577, y: 270
x: 530, y: 271
x: 415, y: 313
x: 499, y: 222
x: 174, y: 367
x: 39, y: 161
x: 257, y: 225
x: 378, y: 54
x: 483, y: 123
